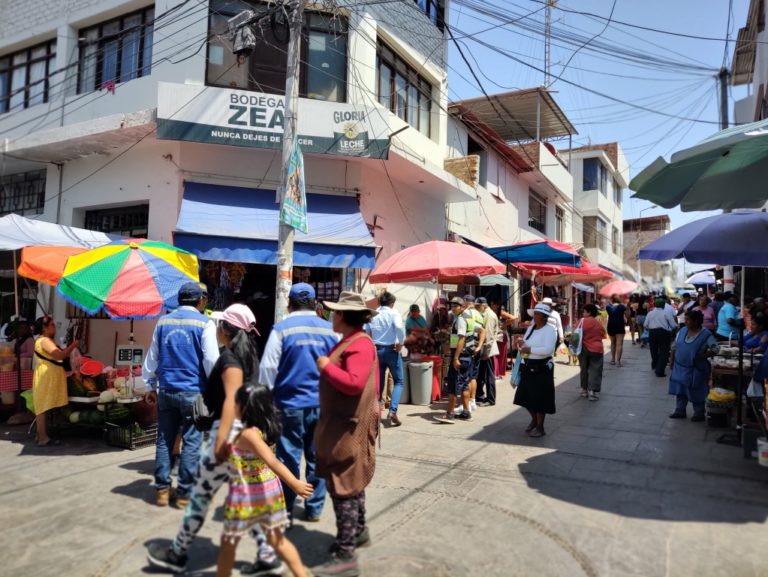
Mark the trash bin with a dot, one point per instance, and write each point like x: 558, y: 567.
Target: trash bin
x: 405, y: 396
x: 421, y: 382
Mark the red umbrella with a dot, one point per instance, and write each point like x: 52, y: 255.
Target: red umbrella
x: 561, y: 274
x: 436, y: 261
x: 618, y: 287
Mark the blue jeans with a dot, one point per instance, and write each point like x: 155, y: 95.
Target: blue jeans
x: 174, y: 415
x: 296, y: 439
x: 390, y: 359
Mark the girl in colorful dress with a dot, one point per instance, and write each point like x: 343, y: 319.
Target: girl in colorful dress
x: 255, y: 493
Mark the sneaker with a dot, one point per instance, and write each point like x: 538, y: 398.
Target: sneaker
x: 592, y: 396
x: 262, y: 567
x: 180, y: 502
x: 309, y: 518
x: 163, y: 497
x: 394, y: 421
x: 472, y: 405
x: 583, y: 393
x: 165, y: 558
x: 677, y: 415
x: 447, y: 418
x: 363, y: 538
x: 339, y: 565
x: 464, y: 416
x: 458, y: 410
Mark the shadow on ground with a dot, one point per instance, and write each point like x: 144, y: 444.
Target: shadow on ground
x: 623, y: 455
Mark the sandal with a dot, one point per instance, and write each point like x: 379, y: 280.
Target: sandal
x: 49, y: 443
x: 537, y: 433
x: 530, y: 427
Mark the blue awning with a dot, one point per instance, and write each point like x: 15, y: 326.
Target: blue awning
x: 234, y: 224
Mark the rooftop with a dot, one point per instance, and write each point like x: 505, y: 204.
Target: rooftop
x: 513, y: 115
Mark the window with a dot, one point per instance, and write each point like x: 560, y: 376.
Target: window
x: 615, y: 240
x: 323, y: 59
x: 595, y: 233
x: 594, y: 176
x: 24, y: 76
x: 117, y: 50
x: 618, y: 192
x: 482, y: 169
x: 131, y: 221
x: 537, y: 212
x: 434, y: 9
x: 22, y: 193
x: 559, y: 224
x: 401, y: 89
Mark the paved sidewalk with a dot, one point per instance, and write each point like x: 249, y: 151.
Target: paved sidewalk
x: 615, y: 489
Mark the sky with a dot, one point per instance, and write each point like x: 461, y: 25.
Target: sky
x: 679, y: 82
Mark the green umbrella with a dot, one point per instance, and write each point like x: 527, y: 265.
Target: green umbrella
x: 725, y: 171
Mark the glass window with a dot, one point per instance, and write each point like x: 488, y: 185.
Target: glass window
x: 618, y: 192
x: 22, y: 193
x: 537, y: 213
x: 326, y: 62
x: 403, y: 91
x: 615, y: 240
x: 18, y: 82
x: 595, y: 233
x: 590, y: 177
x: 323, y: 62
x: 131, y: 221
x: 603, y: 179
x: 117, y: 50
x: 559, y: 224
x: 434, y: 9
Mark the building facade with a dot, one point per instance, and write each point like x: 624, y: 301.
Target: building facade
x: 638, y: 232
x: 137, y: 119
x: 600, y: 175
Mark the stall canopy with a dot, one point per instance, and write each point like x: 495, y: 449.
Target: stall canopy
x: 227, y: 223
x: 17, y: 232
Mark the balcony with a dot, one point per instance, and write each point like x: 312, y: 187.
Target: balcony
x: 548, y: 171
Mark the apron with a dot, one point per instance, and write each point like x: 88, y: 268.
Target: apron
x: 690, y: 375
x: 346, y: 432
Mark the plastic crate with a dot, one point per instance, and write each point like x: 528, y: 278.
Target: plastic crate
x: 128, y: 438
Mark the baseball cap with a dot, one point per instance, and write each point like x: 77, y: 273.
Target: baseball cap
x: 469, y: 299
x: 239, y: 316
x: 481, y: 301
x: 302, y: 290
x: 192, y: 291
x: 457, y: 301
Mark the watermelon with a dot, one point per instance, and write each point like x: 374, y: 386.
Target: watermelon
x: 118, y: 414
x: 75, y: 388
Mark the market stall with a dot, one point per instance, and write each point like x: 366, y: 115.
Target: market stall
x: 124, y: 280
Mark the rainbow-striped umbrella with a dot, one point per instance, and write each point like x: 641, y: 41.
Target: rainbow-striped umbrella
x: 129, y: 279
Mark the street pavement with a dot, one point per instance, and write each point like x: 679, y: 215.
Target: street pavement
x: 615, y: 489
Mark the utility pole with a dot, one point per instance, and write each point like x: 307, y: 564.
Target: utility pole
x: 722, y: 78
x: 286, y: 232
x: 548, y: 40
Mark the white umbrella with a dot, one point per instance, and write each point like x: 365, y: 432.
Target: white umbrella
x: 701, y: 277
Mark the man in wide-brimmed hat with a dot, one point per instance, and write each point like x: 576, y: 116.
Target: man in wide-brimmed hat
x: 347, y: 428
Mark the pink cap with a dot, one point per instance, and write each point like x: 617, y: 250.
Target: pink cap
x: 239, y: 316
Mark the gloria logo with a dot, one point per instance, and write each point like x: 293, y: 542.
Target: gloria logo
x: 349, y: 133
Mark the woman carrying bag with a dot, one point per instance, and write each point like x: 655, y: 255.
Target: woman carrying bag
x: 536, y: 391
x: 591, y: 353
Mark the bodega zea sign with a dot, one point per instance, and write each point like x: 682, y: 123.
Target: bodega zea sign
x: 254, y: 119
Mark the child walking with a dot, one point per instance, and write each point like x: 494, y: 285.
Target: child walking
x: 255, y: 493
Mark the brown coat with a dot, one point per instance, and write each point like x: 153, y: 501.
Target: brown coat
x: 346, y: 431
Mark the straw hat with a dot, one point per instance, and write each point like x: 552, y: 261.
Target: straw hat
x: 349, y: 301
x: 540, y: 308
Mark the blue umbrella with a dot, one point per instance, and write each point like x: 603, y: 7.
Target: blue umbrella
x: 735, y: 238
x: 702, y: 277
x: 537, y: 252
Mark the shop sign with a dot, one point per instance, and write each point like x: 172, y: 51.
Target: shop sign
x: 255, y: 119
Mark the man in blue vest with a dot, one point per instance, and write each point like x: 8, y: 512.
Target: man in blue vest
x: 183, y: 352
x: 289, y: 368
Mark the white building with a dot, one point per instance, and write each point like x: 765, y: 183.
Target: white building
x: 750, y: 66
x: 600, y: 174
x: 135, y: 118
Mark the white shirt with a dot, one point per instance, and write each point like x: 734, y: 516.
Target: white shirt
x: 659, y: 319
x: 542, y: 342
x: 556, y: 323
x: 386, y: 328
